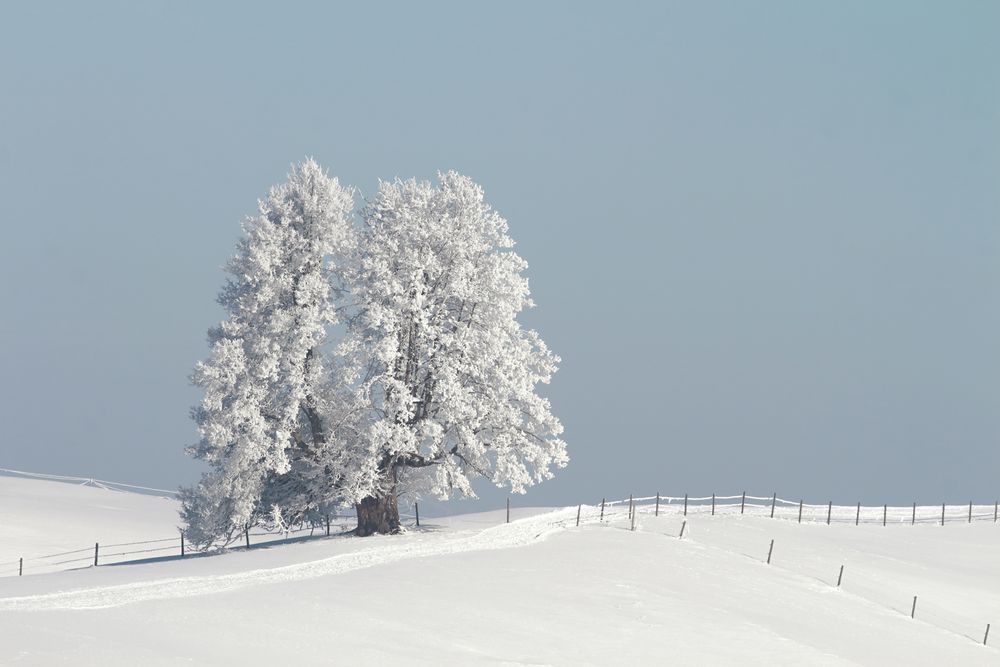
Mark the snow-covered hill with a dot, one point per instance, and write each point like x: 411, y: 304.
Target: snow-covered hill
x: 39, y: 518
x: 474, y: 590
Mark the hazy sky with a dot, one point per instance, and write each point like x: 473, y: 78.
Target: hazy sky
x: 764, y: 237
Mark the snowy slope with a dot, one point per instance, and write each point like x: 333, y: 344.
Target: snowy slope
x: 473, y: 590
x: 39, y: 517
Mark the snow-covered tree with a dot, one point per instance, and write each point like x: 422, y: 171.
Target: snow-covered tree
x: 431, y: 382
x: 442, y: 369
x: 267, y: 398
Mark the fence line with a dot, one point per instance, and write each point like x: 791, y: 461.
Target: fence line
x: 87, y: 481
x: 129, y: 544
x: 606, y: 510
x: 813, y: 513
x: 623, y: 512
x: 760, y: 506
x: 108, y: 552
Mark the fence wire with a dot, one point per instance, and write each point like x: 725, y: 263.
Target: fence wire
x: 945, y: 612
x: 796, y: 510
x: 89, y: 481
x: 726, y: 505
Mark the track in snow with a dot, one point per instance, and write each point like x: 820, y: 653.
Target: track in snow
x: 518, y: 533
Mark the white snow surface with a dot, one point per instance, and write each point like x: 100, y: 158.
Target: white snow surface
x: 472, y: 590
x: 38, y: 518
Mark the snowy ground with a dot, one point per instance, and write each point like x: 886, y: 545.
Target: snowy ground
x: 39, y: 518
x: 473, y: 590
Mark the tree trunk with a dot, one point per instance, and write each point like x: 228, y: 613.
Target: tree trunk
x: 378, y: 514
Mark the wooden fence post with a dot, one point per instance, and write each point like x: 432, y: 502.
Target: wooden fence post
x: 885, y: 514
x: 657, y: 512
x: 857, y: 517
x: 20, y: 570
x: 686, y: 505
x: 602, y: 508
x: 328, y: 525
x: 986, y: 636
x: 829, y: 512
x: 942, y: 514
x: 769, y: 550
x: 913, y: 519
x: 970, y: 511
x: 631, y: 509
x: 416, y: 511
x: 182, y: 545
x: 713, y: 504
x: 995, y: 506
x: 246, y: 534
x: 774, y: 499
x: 800, y: 511
x: 840, y: 576
x: 683, y: 526
x: 508, y: 509
x: 96, y: 547
x: 578, y: 508
x: 743, y: 502
x: 913, y: 611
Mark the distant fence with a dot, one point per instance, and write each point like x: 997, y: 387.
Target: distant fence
x: 161, y: 549
x: 743, y: 504
x: 145, y: 550
x: 796, y: 510
x: 770, y: 507
x: 89, y: 481
x: 936, y: 612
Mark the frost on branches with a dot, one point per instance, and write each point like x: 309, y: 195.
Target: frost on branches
x: 446, y: 373
x: 431, y: 382
x: 262, y: 417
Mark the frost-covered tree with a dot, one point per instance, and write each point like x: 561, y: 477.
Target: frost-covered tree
x: 443, y: 371
x: 431, y: 382
x: 267, y: 398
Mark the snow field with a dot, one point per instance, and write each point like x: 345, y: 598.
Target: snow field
x: 47, y: 517
x: 474, y: 590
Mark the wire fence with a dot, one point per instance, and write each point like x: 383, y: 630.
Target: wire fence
x: 724, y: 505
x: 163, y: 548
x: 797, y: 510
x: 625, y: 512
x: 90, y: 481
x: 942, y: 610
x: 120, y: 553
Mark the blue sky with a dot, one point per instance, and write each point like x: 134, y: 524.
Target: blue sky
x: 764, y: 237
